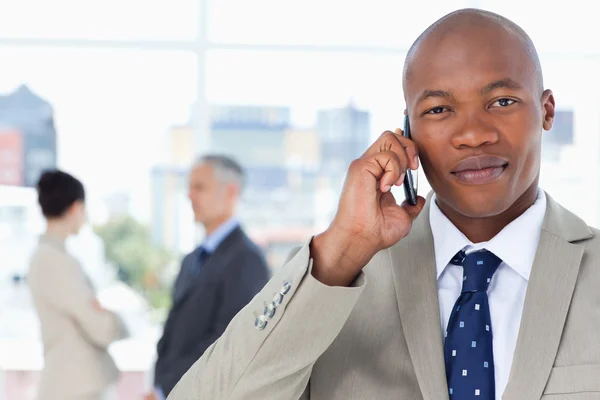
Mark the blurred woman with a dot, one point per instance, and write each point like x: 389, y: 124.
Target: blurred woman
x: 76, y: 330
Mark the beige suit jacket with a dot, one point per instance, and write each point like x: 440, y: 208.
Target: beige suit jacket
x: 75, y: 334
x: 381, y: 339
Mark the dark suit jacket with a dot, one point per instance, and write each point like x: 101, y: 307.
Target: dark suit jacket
x: 203, y: 307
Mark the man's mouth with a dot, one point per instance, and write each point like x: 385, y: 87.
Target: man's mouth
x: 479, y: 170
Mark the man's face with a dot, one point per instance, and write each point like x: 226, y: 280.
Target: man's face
x: 210, y: 198
x: 476, y: 112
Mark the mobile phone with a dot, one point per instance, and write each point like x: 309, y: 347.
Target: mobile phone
x: 410, y: 189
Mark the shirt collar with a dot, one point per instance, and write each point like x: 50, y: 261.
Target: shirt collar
x: 516, y: 244
x: 213, y: 240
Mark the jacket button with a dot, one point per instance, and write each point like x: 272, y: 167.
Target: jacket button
x: 277, y: 300
x: 261, y: 322
x: 286, y: 287
x: 270, y: 310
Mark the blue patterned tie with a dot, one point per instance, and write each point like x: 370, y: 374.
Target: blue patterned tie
x: 468, y: 346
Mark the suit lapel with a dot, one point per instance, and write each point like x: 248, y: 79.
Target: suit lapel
x: 211, y: 262
x: 549, y: 292
x: 217, y: 258
x: 414, y: 271
x: 188, y: 280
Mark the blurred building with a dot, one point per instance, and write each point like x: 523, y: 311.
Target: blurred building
x: 560, y: 137
x: 27, y: 137
x: 180, y: 146
x: 253, y: 135
x: 570, y: 169
x: 171, y: 226
x: 345, y: 135
x: 302, y: 148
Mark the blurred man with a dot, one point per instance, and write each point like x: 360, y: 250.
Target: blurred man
x: 217, y: 279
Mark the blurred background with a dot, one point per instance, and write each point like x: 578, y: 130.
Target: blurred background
x: 125, y: 93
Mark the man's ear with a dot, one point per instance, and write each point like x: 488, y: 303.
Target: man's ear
x: 549, y: 109
x: 233, y: 191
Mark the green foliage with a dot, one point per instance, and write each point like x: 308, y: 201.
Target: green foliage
x: 139, y: 261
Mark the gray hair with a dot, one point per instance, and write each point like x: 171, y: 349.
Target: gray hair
x: 226, y: 169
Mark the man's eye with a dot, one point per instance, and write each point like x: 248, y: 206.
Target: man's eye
x: 437, y: 110
x: 503, y: 102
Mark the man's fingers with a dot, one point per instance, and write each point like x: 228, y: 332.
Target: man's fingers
x: 410, y: 147
x: 386, y: 167
x: 405, y: 148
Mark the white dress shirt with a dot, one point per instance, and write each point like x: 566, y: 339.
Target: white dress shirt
x: 516, y: 245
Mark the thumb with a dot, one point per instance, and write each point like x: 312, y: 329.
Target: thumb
x: 413, y: 211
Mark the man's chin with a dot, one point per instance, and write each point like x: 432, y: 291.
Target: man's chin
x: 483, y: 206
x: 479, y: 204
x: 481, y: 211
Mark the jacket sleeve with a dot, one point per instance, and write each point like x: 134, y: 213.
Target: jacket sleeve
x: 270, y: 357
x: 64, y: 285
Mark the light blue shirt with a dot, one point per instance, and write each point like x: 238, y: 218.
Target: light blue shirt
x: 213, y: 240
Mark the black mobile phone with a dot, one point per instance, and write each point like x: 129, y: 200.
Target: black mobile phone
x: 410, y: 190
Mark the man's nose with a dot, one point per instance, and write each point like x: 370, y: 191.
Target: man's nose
x: 475, y: 131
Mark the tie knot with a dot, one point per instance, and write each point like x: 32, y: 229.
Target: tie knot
x: 201, y: 255
x: 478, y: 269
x: 203, y: 252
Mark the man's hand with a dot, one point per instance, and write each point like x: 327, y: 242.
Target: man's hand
x: 368, y: 218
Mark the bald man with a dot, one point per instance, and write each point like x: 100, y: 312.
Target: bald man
x: 487, y: 289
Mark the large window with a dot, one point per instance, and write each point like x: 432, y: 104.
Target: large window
x: 161, y: 20
x: 295, y: 90
x: 376, y: 24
